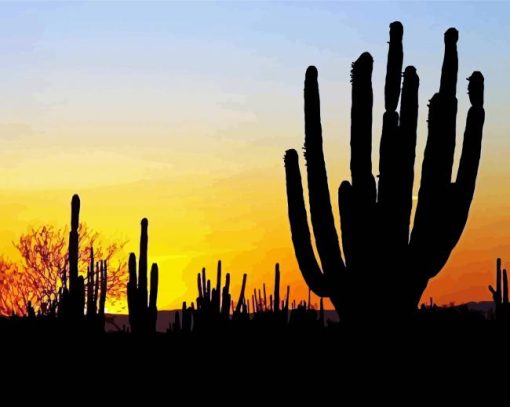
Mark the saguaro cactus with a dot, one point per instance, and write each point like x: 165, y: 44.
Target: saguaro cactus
x: 500, y: 294
x: 241, y: 306
x: 96, y: 291
x: 213, y: 305
x: 382, y: 258
x: 72, y: 302
x: 142, y: 315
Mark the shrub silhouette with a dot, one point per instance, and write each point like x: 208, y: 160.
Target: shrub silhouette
x: 383, y: 259
x: 39, y: 276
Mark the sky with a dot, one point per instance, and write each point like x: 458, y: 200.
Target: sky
x: 181, y: 113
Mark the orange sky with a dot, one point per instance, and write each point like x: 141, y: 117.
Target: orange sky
x: 183, y: 115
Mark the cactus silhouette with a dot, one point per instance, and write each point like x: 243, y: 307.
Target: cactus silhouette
x: 72, y: 300
x: 500, y: 294
x: 276, y: 295
x: 241, y: 309
x: 96, y: 291
x: 143, y: 312
x: 383, y: 258
x: 213, y: 305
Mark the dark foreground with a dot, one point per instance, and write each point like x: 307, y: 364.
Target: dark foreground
x: 230, y: 366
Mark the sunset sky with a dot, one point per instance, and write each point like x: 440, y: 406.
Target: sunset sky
x: 181, y: 113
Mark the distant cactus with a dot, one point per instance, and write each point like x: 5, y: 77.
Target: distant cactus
x: 276, y: 295
x: 382, y: 257
x: 213, y: 305
x: 96, y: 291
x: 500, y: 295
x: 242, y: 309
x: 82, y: 297
x: 72, y: 300
x: 143, y: 312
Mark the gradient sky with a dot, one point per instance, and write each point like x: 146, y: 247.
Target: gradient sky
x: 181, y: 112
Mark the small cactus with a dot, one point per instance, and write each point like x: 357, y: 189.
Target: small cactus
x: 500, y: 294
x: 143, y: 312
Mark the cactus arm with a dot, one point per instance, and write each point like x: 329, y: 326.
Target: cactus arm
x: 73, y: 244
x: 241, y: 294
x: 208, y: 292
x: 346, y: 208
x: 204, y: 284
x: 265, y: 297
x: 394, y: 67
x: 285, y: 306
x: 500, y: 294
x: 276, y: 296
x: 438, y: 159
x: 359, y: 201
x: 496, y: 293
x: 217, y: 302
x: 434, y: 211
x: 153, y: 298
x: 142, y: 263
x: 225, y: 297
x: 391, y: 145
x: 96, y: 289
x: 199, y: 285
x: 408, y: 130
x: 460, y: 194
x: 104, y: 288
x: 132, y: 269
x: 505, y: 287
x: 151, y: 311
x: 464, y: 187
x: 90, y: 283
x: 132, y: 291
x: 300, y: 231
x: 447, y: 113
x: 450, y: 67
x: 498, y: 282
x: 397, y: 155
x: 361, y: 128
x: 320, y: 203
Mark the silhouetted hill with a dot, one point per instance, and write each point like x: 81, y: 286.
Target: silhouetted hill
x: 485, y: 307
x: 117, y: 321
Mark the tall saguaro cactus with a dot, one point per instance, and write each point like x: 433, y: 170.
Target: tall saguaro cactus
x: 142, y: 315
x: 73, y: 300
x: 383, y: 259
